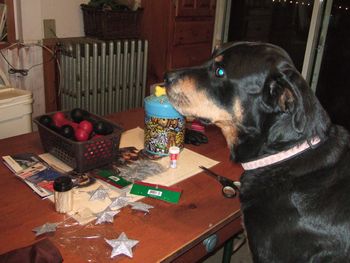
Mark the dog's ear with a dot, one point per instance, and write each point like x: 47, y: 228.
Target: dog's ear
x: 220, y: 48
x: 216, y: 49
x: 282, y: 93
x: 216, y: 54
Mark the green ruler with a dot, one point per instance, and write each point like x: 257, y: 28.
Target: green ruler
x: 168, y: 194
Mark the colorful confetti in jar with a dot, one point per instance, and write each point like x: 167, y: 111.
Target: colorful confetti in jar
x: 164, y: 126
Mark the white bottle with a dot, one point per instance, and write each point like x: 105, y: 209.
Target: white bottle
x: 63, y: 194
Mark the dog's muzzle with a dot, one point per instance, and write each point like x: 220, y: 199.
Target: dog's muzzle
x: 170, y: 79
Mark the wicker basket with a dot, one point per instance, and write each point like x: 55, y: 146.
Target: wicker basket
x: 111, y: 24
x: 81, y: 156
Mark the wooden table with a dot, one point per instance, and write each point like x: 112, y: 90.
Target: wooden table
x: 170, y: 233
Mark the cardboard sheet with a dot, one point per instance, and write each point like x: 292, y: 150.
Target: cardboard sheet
x: 188, y: 165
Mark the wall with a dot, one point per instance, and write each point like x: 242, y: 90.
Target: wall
x: 67, y: 13
x: 29, y: 15
x: 29, y: 58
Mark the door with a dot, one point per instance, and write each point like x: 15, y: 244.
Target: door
x: 331, y: 74
x: 283, y: 23
x: 316, y: 34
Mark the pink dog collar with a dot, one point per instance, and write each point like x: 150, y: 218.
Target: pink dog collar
x: 281, y: 156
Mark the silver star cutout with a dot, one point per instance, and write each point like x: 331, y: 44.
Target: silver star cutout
x: 45, y: 228
x: 119, y: 201
x: 141, y: 206
x: 122, y: 245
x: 99, y: 194
x: 106, y: 216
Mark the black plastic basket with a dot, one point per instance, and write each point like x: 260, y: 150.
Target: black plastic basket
x: 81, y: 156
x: 111, y: 24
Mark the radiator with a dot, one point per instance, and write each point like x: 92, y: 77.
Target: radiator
x: 103, y: 77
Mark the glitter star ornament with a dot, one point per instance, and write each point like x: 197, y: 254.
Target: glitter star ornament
x: 141, y: 206
x: 99, y: 194
x: 119, y: 201
x: 45, y: 228
x: 106, y: 216
x: 122, y: 245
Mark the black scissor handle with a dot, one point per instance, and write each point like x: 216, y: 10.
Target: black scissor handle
x: 229, y: 188
x: 229, y: 191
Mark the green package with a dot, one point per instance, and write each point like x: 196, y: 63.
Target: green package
x: 168, y: 194
x: 112, y: 178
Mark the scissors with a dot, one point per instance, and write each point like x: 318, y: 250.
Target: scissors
x: 229, y: 187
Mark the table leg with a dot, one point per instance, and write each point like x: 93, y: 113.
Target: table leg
x: 228, y: 248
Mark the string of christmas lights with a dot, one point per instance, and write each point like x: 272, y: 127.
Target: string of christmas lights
x: 292, y: 2
x: 345, y: 8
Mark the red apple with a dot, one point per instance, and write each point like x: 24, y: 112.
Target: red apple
x: 74, y: 125
x: 59, y: 116
x: 59, y: 119
x: 86, y: 126
x: 81, y: 135
x: 59, y: 124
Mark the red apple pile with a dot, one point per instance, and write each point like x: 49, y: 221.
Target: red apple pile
x: 77, y: 126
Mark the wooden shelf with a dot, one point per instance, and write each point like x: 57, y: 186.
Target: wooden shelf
x: 179, y: 34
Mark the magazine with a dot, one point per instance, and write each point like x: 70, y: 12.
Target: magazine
x: 34, y: 171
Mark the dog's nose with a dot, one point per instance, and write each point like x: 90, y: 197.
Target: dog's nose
x: 170, y: 78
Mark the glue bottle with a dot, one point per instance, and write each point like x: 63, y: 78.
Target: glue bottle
x: 63, y: 194
x: 174, y: 154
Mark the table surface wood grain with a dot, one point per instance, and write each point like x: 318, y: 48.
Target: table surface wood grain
x: 170, y: 232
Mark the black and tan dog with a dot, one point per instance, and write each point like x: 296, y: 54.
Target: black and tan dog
x: 295, y: 194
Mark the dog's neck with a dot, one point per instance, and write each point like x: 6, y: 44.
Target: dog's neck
x: 281, y: 156
x: 277, y: 137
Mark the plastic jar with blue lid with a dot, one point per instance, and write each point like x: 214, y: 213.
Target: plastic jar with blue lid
x: 164, y: 126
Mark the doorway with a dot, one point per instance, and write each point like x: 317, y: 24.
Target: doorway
x: 316, y: 34
x: 331, y: 78
x: 280, y: 22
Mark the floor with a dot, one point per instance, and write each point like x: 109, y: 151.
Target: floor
x: 242, y: 255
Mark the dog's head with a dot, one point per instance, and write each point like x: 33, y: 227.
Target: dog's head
x: 253, y: 92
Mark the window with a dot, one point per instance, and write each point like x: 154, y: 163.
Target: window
x: 10, y: 24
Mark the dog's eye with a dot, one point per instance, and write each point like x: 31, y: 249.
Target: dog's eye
x: 219, y: 72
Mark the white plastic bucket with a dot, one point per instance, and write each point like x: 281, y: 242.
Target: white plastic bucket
x: 16, y: 107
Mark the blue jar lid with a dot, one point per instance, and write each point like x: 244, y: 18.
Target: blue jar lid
x: 160, y: 107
